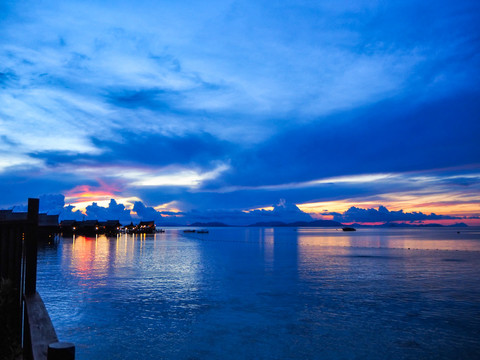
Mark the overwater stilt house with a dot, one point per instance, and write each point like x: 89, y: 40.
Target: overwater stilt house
x: 110, y: 227
x: 88, y: 228
x: 129, y: 229
x: 48, y: 227
x: 146, y: 227
x: 68, y: 227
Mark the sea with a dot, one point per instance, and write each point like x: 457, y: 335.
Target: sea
x: 267, y: 293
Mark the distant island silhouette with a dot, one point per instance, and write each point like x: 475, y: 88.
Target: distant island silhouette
x: 317, y: 223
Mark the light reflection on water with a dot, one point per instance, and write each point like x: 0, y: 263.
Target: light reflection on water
x: 426, y: 239
x: 260, y: 293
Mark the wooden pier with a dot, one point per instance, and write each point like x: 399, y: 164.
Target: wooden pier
x: 26, y: 321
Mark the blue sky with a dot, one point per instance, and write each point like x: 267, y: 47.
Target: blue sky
x: 228, y: 106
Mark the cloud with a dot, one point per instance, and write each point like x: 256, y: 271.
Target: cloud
x: 52, y: 203
x: 146, y: 212
x: 283, y: 211
x: 382, y: 214
x: 55, y: 204
x: 386, y: 137
x: 92, y: 73
x: 161, y: 150
x: 234, y: 97
x: 70, y: 213
x: 114, y: 211
x: 146, y: 148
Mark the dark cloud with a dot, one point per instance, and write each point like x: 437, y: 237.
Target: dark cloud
x: 193, y: 149
x: 438, y: 26
x: 6, y: 140
x: 382, y: 214
x: 462, y: 181
x: 165, y: 101
x: 387, y: 137
x: 16, y: 187
x: 70, y: 213
x: 114, y: 211
x: 155, y: 149
x: 55, y: 204
x: 283, y: 211
x: 146, y: 212
x: 153, y: 99
x: 52, y: 203
x: 55, y: 158
x: 8, y: 78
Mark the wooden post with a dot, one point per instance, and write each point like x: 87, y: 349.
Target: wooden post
x: 31, y: 248
x: 61, y: 351
x: 16, y: 277
x: 3, y: 251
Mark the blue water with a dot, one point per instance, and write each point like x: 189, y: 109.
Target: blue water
x: 252, y: 293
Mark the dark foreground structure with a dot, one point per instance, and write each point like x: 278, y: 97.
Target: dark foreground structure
x: 109, y: 227
x: 25, y: 324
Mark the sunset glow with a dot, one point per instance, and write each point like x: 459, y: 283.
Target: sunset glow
x: 310, y: 104
x: 82, y: 196
x: 247, y: 179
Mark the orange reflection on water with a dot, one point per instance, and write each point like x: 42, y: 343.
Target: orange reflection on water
x: 421, y: 239
x: 89, y: 258
x: 325, y: 237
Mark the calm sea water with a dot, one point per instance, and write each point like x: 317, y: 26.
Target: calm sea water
x: 253, y: 293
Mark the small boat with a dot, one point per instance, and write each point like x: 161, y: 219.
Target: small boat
x: 160, y: 230
x: 202, y: 231
x: 349, y: 229
x: 189, y: 231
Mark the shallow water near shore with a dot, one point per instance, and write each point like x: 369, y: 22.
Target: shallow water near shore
x: 263, y: 293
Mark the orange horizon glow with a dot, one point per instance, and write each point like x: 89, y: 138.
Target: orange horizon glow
x: 426, y: 205
x: 171, y: 206
x: 84, y: 195
x: 449, y: 204
x: 89, y: 193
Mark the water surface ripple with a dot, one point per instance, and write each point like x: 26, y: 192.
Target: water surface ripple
x: 254, y: 293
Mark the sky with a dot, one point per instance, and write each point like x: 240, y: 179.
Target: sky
x: 235, y: 111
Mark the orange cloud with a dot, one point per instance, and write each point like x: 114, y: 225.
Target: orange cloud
x: 453, y: 206
x: 88, y: 193
x: 83, y: 195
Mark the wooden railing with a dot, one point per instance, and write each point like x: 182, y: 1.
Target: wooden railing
x: 28, y: 320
